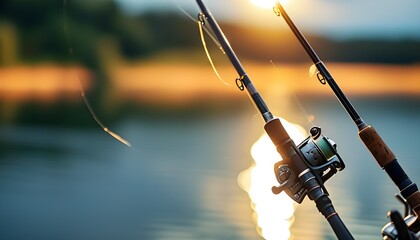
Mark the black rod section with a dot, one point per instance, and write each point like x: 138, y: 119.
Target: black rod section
x: 321, y: 68
x: 325, y: 206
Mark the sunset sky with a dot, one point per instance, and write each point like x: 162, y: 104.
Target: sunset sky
x: 335, y: 18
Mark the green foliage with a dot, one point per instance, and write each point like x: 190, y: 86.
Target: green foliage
x: 47, y: 29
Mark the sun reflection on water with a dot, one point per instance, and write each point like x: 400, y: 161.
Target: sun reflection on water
x: 274, y: 214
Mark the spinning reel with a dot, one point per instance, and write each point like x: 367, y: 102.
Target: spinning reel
x: 320, y: 155
x: 407, y: 228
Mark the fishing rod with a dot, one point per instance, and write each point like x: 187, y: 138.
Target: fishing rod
x: 305, y: 167
x: 378, y: 148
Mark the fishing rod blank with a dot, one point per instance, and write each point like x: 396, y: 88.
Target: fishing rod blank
x: 298, y: 174
x: 378, y: 148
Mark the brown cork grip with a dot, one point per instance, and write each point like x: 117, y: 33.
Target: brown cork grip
x: 414, y: 202
x: 376, y: 146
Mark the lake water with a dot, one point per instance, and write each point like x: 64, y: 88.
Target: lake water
x: 179, y: 180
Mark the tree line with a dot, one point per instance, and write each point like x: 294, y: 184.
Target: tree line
x: 46, y: 29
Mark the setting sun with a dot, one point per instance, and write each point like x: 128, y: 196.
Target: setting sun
x: 266, y: 3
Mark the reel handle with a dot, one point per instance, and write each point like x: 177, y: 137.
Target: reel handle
x: 289, y: 170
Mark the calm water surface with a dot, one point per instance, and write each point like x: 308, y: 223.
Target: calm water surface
x: 179, y: 181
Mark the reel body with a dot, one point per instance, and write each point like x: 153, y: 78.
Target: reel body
x: 320, y: 155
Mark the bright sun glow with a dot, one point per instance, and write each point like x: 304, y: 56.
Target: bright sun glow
x: 274, y: 213
x: 267, y: 3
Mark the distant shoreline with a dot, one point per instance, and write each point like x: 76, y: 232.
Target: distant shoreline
x: 176, y: 84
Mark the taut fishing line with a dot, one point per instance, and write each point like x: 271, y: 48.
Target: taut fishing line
x: 82, y: 92
x: 309, y: 117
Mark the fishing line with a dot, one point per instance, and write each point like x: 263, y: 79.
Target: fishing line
x: 201, y: 27
x: 203, y: 41
x: 309, y: 117
x: 93, y: 114
x: 209, y: 33
x: 85, y: 100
